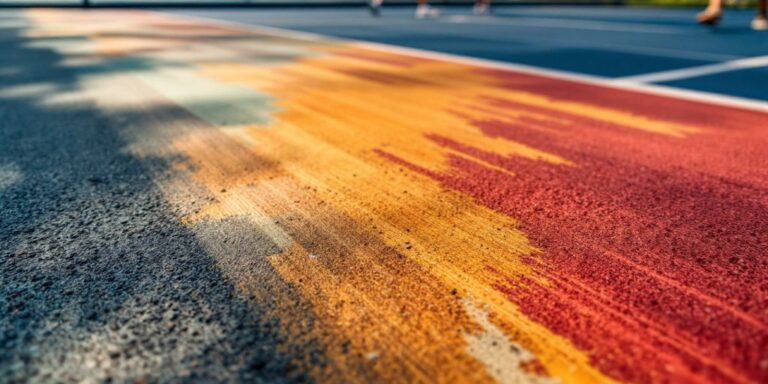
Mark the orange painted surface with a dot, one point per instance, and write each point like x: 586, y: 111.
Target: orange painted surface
x: 451, y: 223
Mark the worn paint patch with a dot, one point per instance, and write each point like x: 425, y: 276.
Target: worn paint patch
x: 10, y: 174
x: 504, y: 359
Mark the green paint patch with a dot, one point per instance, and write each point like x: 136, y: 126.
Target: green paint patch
x: 63, y: 45
x: 219, y: 104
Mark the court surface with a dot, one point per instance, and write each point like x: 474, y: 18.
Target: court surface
x: 647, y: 45
x: 193, y: 200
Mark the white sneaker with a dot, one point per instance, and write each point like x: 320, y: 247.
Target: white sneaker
x: 759, y: 24
x: 426, y: 12
x: 481, y: 9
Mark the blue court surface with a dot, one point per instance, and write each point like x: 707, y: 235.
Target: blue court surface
x: 633, y: 44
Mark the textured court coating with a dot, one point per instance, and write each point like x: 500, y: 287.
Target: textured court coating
x: 433, y: 221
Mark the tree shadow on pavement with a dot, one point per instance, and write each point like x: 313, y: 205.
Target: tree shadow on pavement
x: 99, y: 281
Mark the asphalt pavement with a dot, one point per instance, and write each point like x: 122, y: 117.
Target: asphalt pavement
x: 98, y: 274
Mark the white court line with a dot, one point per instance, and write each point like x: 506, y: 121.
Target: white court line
x: 632, y: 48
x: 550, y: 22
x: 638, y: 12
x: 705, y: 97
x: 684, y: 73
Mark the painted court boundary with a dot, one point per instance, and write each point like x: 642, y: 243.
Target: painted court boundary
x: 685, y: 73
x: 660, y: 90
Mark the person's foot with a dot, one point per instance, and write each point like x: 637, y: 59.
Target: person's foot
x: 709, y: 16
x: 425, y: 11
x: 481, y: 9
x: 374, y: 6
x: 760, y: 23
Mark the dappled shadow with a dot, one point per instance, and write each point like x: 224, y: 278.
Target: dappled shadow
x: 99, y: 279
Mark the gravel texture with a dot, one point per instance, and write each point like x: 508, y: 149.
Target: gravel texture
x: 98, y: 280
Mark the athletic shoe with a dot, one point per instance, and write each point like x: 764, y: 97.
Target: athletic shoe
x: 426, y: 12
x: 481, y: 9
x: 760, y: 23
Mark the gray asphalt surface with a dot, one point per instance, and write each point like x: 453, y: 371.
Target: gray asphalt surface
x: 95, y: 269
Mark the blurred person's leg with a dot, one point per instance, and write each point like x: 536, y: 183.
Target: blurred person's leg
x: 760, y: 22
x: 712, y: 14
x: 375, y: 7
